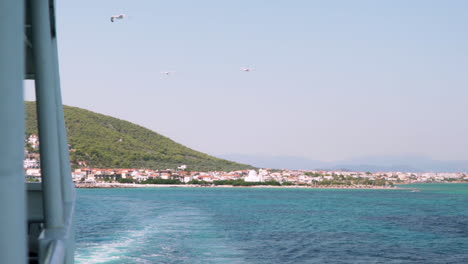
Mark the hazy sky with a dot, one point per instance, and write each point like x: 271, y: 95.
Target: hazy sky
x: 332, y: 79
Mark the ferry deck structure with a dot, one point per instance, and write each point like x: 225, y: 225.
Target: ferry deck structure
x: 36, y: 219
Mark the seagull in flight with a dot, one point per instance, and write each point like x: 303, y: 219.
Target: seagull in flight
x: 121, y: 16
x: 167, y: 73
x: 247, y: 69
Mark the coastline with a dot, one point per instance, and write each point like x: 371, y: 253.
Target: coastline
x: 133, y: 185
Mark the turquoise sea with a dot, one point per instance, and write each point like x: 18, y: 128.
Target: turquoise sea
x: 253, y: 225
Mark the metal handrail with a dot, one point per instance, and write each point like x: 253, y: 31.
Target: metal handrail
x: 55, y: 253
x: 56, y: 245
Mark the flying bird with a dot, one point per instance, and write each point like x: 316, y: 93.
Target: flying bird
x: 247, y: 69
x: 167, y: 72
x: 121, y: 16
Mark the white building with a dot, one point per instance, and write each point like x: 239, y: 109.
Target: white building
x: 31, y: 163
x: 33, y: 172
x: 254, y: 177
x: 76, y: 177
x: 90, y: 179
x: 188, y: 178
x: 33, y: 140
x: 141, y: 177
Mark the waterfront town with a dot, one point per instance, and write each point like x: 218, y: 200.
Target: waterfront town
x: 294, y: 177
x: 183, y: 175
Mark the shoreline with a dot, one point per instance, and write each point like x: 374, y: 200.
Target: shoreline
x: 133, y: 185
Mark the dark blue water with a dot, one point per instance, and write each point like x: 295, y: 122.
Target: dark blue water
x: 241, y: 225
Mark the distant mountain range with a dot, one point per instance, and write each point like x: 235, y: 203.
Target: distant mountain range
x: 403, y: 163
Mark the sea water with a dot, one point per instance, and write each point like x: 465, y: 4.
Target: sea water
x: 254, y: 225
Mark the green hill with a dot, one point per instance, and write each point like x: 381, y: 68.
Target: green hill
x: 106, y: 142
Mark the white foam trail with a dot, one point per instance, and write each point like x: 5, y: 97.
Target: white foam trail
x: 105, y: 252
x: 166, y: 232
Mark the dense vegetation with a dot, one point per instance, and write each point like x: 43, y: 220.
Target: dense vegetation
x: 239, y: 182
x: 162, y: 181
x: 106, y: 142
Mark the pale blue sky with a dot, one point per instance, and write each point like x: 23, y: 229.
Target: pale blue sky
x: 333, y: 79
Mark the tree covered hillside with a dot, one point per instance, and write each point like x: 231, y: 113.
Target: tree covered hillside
x: 106, y: 142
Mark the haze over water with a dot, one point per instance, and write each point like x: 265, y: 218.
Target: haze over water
x: 242, y: 225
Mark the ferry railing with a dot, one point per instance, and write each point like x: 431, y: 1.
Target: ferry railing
x: 57, y: 186
x: 55, y: 245
x: 46, y: 231
x: 55, y: 252
x: 41, y: 239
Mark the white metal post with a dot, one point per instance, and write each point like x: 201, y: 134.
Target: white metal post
x: 65, y: 168
x: 68, y: 188
x: 46, y: 113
